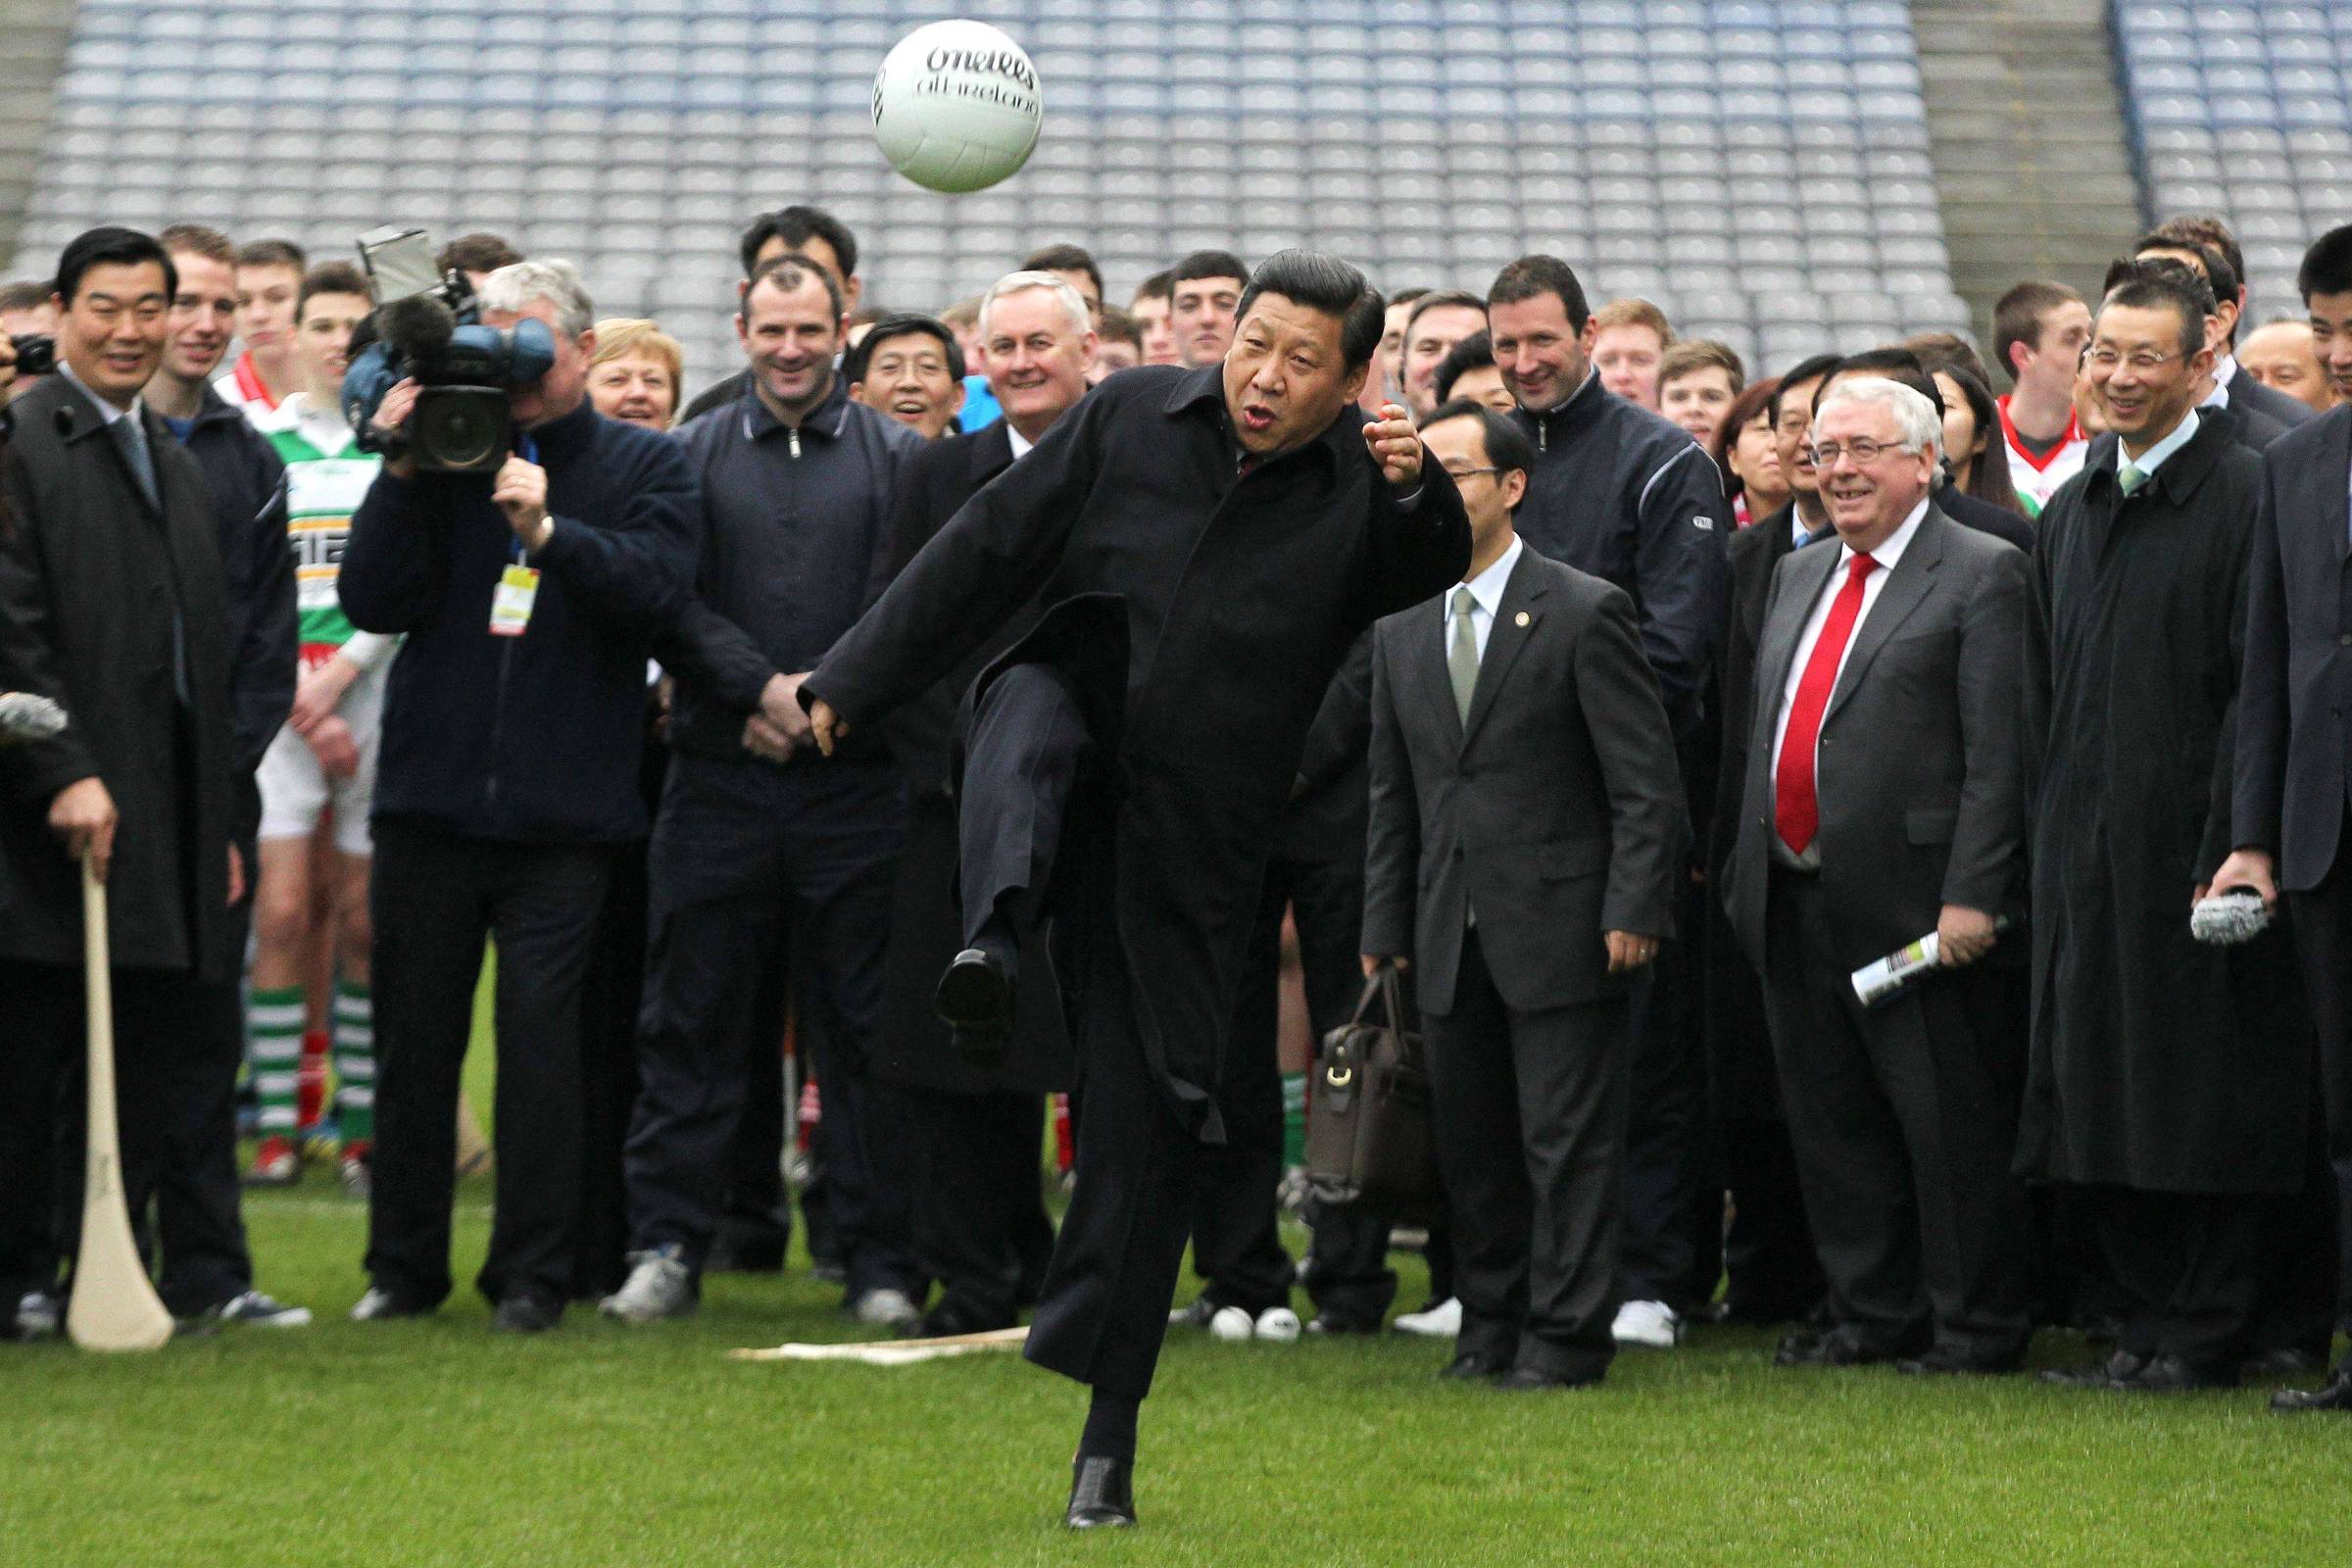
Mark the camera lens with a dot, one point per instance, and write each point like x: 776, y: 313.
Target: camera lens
x: 460, y: 429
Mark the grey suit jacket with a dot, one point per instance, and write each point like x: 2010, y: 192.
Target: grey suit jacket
x: 1557, y: 811
x: 1920, y: 770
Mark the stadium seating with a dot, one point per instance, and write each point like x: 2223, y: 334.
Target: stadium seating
x: 2240, y: 109
x: 1738, y: 161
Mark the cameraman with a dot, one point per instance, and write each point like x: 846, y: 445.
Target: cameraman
x: 508, y: 776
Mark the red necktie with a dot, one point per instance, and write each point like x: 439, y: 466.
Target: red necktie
x: 1796, y: 808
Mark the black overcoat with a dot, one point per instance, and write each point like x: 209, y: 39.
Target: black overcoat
x: 91, y: 577
x: 2158, y: 1062
x: 1240, y: 596
x: 926, y: 927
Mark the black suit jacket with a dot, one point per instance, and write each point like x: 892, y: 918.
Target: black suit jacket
x: 1555, y: 810
x: 2292, y: 739
x: 2267, y: 412
x: 1921, y: 769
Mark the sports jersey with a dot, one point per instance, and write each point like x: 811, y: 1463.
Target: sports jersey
x: 2038, y: 476
x: 327, y: 478
x: 241, y: 386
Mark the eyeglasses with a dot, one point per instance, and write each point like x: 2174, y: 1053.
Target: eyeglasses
x: 1861, y: 449
x: 2106, y: 359
x: 1464, y: 473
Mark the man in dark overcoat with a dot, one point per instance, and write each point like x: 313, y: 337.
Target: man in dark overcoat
x: 2168, y: 1082
x: 111, y: 592
x: 1214, y: 539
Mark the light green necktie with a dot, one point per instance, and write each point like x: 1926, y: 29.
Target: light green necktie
x: 1462, y: 658
x: 2130, y: 478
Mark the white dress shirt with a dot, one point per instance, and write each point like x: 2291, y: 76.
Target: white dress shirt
x: 1487, y: 589
x: 1020, y: 443
x: 1874, y: 585
x: 2146, y: 462
x: 2225, y: 369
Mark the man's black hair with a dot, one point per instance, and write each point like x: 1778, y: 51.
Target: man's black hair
x: 2328, y: 266
x: 1893, y: 363
x: 112, y: 247
x: 1820, y: 365
x: 1158, y: 286
x: 796, y: 226
x: 905, y: 324
x: 1323, y: 283
x: 1209, y: 264
x: 2162, y: 283
x: 790, y: 272
x: 1065, y: 258
x: 2218, y: 274
x: 1507, y: 446
x: 476, y: 253
x: 1533, y: 276
x: 1472, y: 352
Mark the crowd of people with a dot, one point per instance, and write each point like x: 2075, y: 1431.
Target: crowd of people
x: 947, y: 711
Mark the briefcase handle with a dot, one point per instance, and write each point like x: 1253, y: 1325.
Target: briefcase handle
x: 1384, y: 985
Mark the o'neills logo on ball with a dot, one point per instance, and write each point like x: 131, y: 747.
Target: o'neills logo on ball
x: 983, y: 63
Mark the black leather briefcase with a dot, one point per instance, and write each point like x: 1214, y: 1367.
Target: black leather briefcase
x: 1369, y: 1147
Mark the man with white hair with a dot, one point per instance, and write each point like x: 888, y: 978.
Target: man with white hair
x: 529, y: 597
x: 974, y: 1127
x: 1886, y: 801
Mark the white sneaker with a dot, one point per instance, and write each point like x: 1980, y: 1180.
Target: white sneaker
x: 884, y: 1309
x: 263, y: 1311
x: 660, y: 1286
x: 1441, y: 1322
x: 1652, y: 1325
x: 1278, y: 1324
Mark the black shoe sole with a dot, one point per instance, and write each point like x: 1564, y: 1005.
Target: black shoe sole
x: 974, y: 994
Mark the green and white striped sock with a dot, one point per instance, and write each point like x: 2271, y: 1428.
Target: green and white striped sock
x: 273, y: 1056
x: 355, y: 1062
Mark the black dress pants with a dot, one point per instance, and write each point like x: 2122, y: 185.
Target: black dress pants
x: 2187, y: 1267
x: 199, y: 1217
x: 1530, y: 1109
x: 435, y: 899
x: 974, y: 1170
x: 1663, y: 1204
x: 615, y: 987
x: 160, y: 1019
x: 2322, y: 925
x: 738, y: 880
x: 1903, y: 1130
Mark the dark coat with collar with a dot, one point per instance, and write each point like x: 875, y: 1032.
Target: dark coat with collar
x: 1229, y: 603
x: 2294, y: 745
x: 1920, y: 770
x: 2263, y: 414
x: 926, y: 929
x: 2158, y: 1062
x: 1555, y: 809
x: 246, y: 480
x: 91, y: 576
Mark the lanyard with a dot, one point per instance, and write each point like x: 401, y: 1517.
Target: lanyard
x: 529, y: 451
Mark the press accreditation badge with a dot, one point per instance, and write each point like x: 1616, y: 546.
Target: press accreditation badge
x: 510, y: 605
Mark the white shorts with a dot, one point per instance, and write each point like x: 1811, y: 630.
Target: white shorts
x: 295, y: 789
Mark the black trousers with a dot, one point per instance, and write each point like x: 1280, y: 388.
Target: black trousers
x: 1530, y: 1111
x: 435, y: 897
x: 608, y: 1005
x: 1104, y: 1310
x: 1664, y: 1209
x: 1904, y: 1126
x: 974, y: 1172
x: 199, y: 1218
x: 160, y: 1018
x: 2187, y: 1267
x: 1772, y: 1273
x: 2323, y: 924
x: 734, y: 890
x: 1237, y: 1223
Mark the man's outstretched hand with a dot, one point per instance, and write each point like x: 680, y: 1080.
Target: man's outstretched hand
x: 1394, y: 446
x: 828, y: 726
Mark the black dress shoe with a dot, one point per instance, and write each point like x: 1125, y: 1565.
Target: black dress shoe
x: 526, y: 1314
x: 1535, y: 1380
x: 2335, y: 1396
x: 1471, y: 1369
x: 2178, y: 1374
x: 2283, y: 1361
x: 744, y: 1257
x: 2116, y: 1369
x: 1102, y: 1495
x: 976, y: 992
x: 948, y: 1319
x: 1949, y: 1360
x: 1334, y: 1326
x: 1842, y: 1345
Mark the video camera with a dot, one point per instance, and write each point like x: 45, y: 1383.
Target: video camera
x: 427, y: 328
x: 36, y: 353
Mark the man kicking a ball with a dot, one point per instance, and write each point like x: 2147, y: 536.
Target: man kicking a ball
x: 1209, y: 542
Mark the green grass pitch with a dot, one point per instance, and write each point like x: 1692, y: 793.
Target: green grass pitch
x: 435, y: 1442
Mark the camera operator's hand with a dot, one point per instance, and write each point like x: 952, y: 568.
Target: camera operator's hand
x: 390, y: 415
x: 521, y: 494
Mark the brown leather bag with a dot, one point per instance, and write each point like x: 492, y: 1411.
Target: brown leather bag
x: 1369, y: 1146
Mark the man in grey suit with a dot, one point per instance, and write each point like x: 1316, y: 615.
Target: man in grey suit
x: 1886, y: 800
x: 1525, y: 837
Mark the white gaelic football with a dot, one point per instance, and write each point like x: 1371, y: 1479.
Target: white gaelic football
x: 957, y: 106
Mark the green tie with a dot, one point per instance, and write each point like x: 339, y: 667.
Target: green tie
x: 2129, y: 478
x: 1461, y: 659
